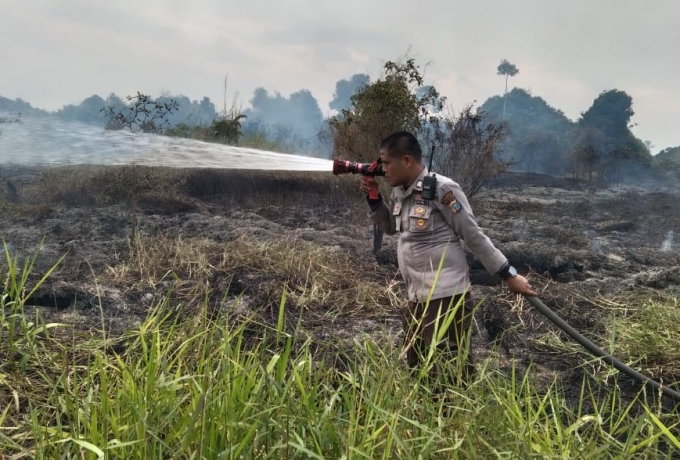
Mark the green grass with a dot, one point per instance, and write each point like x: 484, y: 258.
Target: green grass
x: 204, y: 386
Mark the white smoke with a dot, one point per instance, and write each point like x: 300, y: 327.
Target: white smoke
x: 668, y: 242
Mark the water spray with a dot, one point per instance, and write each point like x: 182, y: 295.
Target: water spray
x: 45, y: 143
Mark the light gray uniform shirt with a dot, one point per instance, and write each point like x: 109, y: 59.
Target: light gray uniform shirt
x: 430, y: 232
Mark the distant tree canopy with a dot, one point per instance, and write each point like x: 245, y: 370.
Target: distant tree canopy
x: 669, y: 156
x: 539, y: 137
x: 88, y: 111
x: 19, y: 106
x: 599, y: 146
x: 507, y: 69
x: 666, y: 164
x: 610, y: 113
x: 191, y: 113
x: 620, y: 153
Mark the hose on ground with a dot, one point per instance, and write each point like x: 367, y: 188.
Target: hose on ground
x: 597, y: 351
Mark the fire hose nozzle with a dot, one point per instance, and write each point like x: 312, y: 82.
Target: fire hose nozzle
x: 341, y: 166
x: 365, y: 169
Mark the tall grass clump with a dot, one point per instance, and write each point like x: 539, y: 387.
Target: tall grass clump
x: 204, y: 386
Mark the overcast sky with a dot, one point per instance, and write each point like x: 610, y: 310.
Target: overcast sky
x: 54, y: 53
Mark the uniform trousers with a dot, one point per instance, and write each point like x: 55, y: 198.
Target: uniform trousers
x: 419, y: 324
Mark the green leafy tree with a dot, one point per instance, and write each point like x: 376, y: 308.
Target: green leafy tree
x: 509, y: 70
x: 610, y: 112
x: 391, y: 103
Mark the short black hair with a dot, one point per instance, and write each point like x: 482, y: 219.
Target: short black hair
x: 402, y: 143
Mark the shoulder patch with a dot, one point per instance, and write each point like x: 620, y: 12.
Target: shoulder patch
x: 448, y: 198
x: 454, y: 206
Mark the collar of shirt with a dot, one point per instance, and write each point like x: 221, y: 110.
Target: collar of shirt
x: 417, y: 185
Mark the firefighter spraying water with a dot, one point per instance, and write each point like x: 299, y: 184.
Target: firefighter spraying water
x: 53, y: 143
x: 394, y: 221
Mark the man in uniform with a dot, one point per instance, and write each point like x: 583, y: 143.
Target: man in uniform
x: 430, y: 232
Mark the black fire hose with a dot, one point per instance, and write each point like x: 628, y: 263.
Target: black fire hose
x: 595, y: 350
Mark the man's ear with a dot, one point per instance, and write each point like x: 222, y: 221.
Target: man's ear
x: 408, y: 161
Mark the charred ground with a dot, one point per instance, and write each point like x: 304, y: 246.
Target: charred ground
x: 132, y: 236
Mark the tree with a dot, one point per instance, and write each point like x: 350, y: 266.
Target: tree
x: 467, y: 147
x: 624, y: 155
x: 610, y: 112
x: 391, y: 103
x: 88, y: 111
x: 538, y: 136
x: 589, y: 152
x: 18, y: 105
x: 144, y: 114
x: 667, y: 164
x: 509, y: 70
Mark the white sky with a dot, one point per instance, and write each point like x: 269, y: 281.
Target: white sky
x: 54, y: 53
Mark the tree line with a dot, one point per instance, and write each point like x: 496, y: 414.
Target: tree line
x: 516, y: 131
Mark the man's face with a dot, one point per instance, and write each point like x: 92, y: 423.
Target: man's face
x: 396, y: 169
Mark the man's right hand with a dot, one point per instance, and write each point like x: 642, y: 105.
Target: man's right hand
x: 367, y: 183
x: 370, y: 187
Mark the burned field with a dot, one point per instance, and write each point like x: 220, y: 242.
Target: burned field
x: 136, y: 237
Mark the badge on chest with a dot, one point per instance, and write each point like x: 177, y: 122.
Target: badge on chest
x: 420, y: 218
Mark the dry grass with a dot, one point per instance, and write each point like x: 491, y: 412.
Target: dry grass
x: 181, y: 190
x: 569, y: 237
x: 14, y: 211
x: 99, y: 185
x: 321, y: 282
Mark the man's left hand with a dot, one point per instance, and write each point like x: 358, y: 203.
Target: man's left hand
x: 520, y: 285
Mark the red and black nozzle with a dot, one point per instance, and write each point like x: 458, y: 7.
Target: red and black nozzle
x: 365, y: 169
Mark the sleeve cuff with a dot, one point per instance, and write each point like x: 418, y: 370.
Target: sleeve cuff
x: 503, y: 271
x: 374, y: 203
